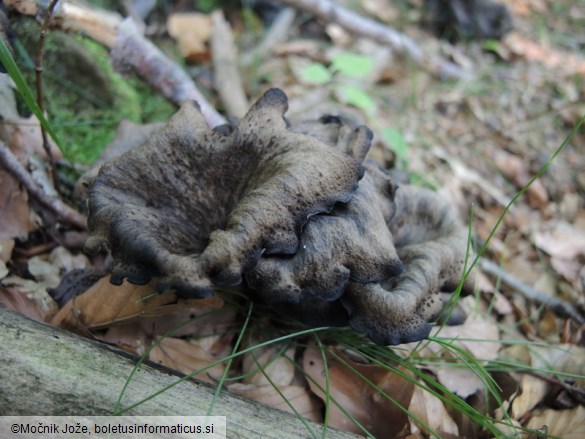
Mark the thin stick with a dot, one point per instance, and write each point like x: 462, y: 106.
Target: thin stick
x: 334, y: 13
x: 40, y: 99
x: 133, y: 49
x: 560, y: 306
x: 228, y: 81
x: 275, y: 35
x: 63, y: 212
x: 129, y: 49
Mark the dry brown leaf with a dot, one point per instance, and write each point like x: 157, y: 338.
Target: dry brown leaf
x: 367, y: 405
x: 189, y: 355
x: 430, y: 410
x: 568, y: 424
x: 565, y: 358
x: 479, y: 336
x: 191, y: 30
x: 304, y: 402
x: 279, y: 369
x: 532, y: 51
x: 569, y: 269
x: 36, y: 292
x: 6, y: 247
x: 517, y: 170
x: 16, y: 216
x: 16, y: 299
x: 462, y: 381
x: 533, y: 391
x: 21, y: 134
x: 105, y: 304
x: 561, y: 240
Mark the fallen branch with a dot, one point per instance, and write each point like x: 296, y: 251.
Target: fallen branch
x: 47, y: 371
x: 129, y: 49
x: 132, y: 49
x: 559, y: 305
x: 275, y: 35
x: 331, y: 12
x: 62, y: 211
x: 228, y: 81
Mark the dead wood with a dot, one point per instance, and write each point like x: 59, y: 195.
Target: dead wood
x: 40, y: 364
x: 364, y: 27
x: 63, y: 212
x: 228, y: 81
x: 559, y: 305
x: 275, y: 35
x: 130, y: 49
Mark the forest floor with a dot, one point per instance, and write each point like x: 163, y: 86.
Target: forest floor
x: 478, y: 140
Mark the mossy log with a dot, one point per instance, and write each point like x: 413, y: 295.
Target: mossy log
x: 47, y: 371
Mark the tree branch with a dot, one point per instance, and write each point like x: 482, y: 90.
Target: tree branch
x: 333, y: 13
x: 63, y: 212
x: 560, y: 306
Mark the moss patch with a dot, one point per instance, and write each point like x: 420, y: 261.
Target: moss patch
x: 84, y: 98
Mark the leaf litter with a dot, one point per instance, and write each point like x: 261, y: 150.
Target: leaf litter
x: 479, y: 141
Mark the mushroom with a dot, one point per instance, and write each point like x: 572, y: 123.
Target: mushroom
x: 293, y: 209
x: 198, y: 207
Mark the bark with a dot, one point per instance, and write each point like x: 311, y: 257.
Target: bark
x: 47, y: 371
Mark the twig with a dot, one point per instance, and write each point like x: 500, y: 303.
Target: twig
x: 365, y: 27
x: 130, y: 49
x: 133, y: 49
x: 228, y: 81
x: 557, y: 304
x: 275, y: 35
x: 40, y: 99
x: 63, y: 212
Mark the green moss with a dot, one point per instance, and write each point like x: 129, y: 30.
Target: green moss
x: 84, y: 98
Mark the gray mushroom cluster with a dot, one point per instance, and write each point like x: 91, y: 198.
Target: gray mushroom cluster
x: 295, y: 211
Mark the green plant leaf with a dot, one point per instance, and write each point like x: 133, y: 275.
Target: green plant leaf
x: 316, y: 73
x: 16, y: 75
x: 397, y: 143
x: 352, y: 64
x: 352, y: 95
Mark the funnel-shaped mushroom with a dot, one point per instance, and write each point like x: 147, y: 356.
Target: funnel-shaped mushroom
x: 282, y: 205
x: 198, y: 207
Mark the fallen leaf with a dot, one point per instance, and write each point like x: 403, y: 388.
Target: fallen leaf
x: 560, y: 239
x: 18, y: 300
x: 16, y: 217
x: 568, y: 424
x: 533, y: 391
x: 279, y: 368
x: 516, y: 169
x: 550, y: 57
x: 188, y: 356
x: 431, y: 411
x: 35, y: 292
x: 478, y: 335
x: 191, y: 30
x: 105, y: 304
x: 305, y: 403
x: 6, y: 247
x: 368, y: 406
x: 462, y: 381
x: 565, y: 358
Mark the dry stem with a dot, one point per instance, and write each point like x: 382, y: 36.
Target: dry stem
x: 557, y: 304
x: 63, y: 212
x: 228, y: 81
x: 40, y: 99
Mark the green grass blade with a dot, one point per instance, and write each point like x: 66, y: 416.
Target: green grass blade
x: 16, y: 75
